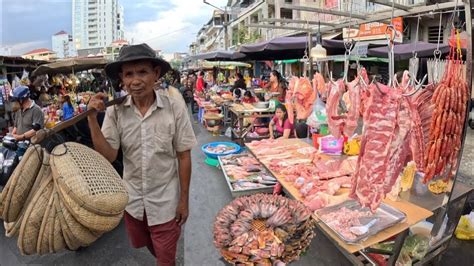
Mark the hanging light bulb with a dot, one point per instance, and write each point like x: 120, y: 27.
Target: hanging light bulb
x: 318, y: 52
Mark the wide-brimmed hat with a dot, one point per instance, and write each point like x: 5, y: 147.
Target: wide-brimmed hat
x: 136, y: 52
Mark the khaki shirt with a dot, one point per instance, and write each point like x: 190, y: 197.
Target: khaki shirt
x: 24, y: 120
x: 149, y: 146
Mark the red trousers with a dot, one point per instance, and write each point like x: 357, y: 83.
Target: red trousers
x: 161, y: 239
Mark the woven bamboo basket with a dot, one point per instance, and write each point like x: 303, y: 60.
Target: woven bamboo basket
x: 83, y: 235
x: 57, y: 239
x: 30, y: 226
x: 42, y: 245
x: 22, y: 181
x: 71, y: 242
x: 89, y: 179
x: 50, y: 230
x: 9, y: 227
x: 43, y: 174
x: 3, y: 195
x: 90, y: 220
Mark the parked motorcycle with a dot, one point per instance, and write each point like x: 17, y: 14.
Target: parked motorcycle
x: 11, y: 153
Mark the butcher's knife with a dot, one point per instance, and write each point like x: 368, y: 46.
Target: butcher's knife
x: 45, y: 133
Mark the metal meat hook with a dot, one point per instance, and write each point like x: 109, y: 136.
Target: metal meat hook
x: 417, y: 87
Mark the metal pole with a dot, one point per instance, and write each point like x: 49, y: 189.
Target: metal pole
x: 310, y: 46
x: 226, y: 32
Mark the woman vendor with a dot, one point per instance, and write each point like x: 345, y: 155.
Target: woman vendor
x: 249, y: 98
x: 280, y: 125
x: 277, y: 85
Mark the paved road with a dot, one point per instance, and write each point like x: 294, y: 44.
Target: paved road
x: 466, y: 169
x: 209, y: 193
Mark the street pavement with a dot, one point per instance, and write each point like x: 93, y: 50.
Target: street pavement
x: 208, y: 194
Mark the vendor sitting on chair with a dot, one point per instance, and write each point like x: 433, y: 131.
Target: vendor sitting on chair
x: 28, y: 118
x: 280, y: 125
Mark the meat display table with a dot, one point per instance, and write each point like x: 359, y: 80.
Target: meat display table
x: 355, y: 253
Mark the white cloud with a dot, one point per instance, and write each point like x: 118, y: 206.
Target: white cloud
x: 23, y: 47
x: 174, y: 29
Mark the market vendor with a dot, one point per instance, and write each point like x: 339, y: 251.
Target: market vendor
x: 277, y: 85
x: 280, y: 125
x: 249, y: 98
x: 200, y: 84
x: 239, y: 82
x: 29, y: 117
x: 156, y: 136
x: 68, y: 109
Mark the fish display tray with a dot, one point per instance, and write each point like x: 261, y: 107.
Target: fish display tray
x: 387, y: 215
x: 243, y: 192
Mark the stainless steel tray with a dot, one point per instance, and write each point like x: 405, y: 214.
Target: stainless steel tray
x: 387, y: 217
x: 242, y: 192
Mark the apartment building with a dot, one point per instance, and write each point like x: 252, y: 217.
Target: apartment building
x: 43, y: 54
x: 63, y: 45
x: 96, y: 23
x: 211, y: 36
x: 252, y: 21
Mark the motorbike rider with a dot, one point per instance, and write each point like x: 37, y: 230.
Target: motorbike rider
x: 28, y: 117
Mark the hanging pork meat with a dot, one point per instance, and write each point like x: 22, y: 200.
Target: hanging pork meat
x: 384, y: 145
x: 345, y: 123
x: 305, y: 95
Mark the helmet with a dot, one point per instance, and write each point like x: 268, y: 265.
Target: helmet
x: 21, y: 93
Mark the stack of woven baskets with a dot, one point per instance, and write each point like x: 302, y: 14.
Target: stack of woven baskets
x: 63, y: 200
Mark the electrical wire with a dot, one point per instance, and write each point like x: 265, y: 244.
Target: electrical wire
x: 168, y: 33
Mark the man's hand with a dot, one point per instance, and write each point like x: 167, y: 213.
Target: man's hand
x: 182, y: 212
x: 97, y: 103
x: 18, y: 137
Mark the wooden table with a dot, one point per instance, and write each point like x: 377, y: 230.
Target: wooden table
x: 414, y: 213
x: 237, y: 118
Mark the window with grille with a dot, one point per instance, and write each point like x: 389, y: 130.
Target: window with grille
x: 286, y: 13
x: 433, y: 34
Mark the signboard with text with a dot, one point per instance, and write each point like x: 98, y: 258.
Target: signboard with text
x: 375, y: 31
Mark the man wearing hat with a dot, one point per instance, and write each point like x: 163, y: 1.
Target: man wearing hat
x: 28, y: 116
x: 156, y: 137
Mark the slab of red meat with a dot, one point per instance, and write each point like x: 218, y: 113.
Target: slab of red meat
x: 369, y: 181
x: 355, y: 94
x: 335, y: 167
x: 422, y: 101
x: 335, y: 121
x: 305, y: 96
x: 421, y: 111
x: 400, y: 145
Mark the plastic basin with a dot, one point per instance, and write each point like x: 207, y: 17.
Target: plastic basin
x: 214, y: 144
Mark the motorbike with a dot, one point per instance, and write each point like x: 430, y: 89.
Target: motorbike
x: 11, y: 153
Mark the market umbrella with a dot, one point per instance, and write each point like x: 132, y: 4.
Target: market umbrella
x: 283, y: 48
x: 226, y: 64
x: 70, y: 65
x: 405, y: 51
x: 362, y: 59
x: 218, y: 56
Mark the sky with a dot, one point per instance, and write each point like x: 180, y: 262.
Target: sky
x: 168, y: 25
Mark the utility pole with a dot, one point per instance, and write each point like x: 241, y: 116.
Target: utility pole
x: 225, y: 25
x: 226, y: 32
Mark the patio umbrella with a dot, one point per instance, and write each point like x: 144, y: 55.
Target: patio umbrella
x: 226, y: 64
x: 70, y: 65
x: 284, y: 48
x: 219, y: 56
x: 405, y: 51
